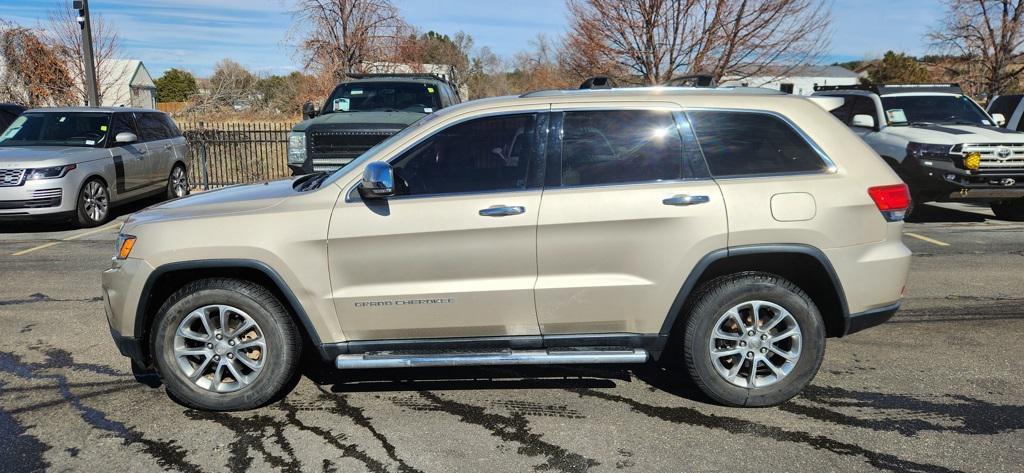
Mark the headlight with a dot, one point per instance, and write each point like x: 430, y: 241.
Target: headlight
x: 50, y: 173
x: 923, y: 150
x: 124, y: 246
x: 296, y: 147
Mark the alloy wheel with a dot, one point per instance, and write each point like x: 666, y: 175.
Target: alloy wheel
x: 755, y: 344
x: 95, y: 201
x: 220, y: 348
x: 179, y: 182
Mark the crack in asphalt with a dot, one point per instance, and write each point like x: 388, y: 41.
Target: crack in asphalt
x: 40, y: 297
x: 514, y: 428
x: 973, y: 416
x: 166, y: 453
x: 733, y: 425
x: 342, y: 407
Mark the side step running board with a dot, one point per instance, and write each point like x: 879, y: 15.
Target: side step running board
x: 507, y: 357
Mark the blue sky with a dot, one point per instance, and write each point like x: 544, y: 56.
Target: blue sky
x: 195, y: 34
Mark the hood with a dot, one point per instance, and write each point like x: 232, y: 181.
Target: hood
x: 942, y: 134
x: 362, y: 119
x: 19, y: 157
x: 225, y: 201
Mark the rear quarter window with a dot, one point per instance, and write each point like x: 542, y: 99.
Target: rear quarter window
x: 752, y: 143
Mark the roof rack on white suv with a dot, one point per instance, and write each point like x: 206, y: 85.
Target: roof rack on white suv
x: 655, y: 90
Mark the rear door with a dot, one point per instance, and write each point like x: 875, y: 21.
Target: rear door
x: 627, y: 212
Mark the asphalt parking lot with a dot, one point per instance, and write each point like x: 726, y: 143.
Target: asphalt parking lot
x: 939, y: 388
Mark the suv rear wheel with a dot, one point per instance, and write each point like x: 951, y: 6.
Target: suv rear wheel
x: 225, y: 344
x: 753, y: 339
x: 177, y: 182
x: 1009, y: 209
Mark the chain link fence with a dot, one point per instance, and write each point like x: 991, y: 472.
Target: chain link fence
x: 224, y: 154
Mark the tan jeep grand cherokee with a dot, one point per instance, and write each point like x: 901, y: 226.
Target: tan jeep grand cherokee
x: 731, y: 230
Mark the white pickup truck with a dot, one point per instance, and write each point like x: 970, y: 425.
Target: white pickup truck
x: 939, y: 141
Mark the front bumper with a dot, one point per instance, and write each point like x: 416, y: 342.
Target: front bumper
x: 39, y: 197
x: 122, y: 288
x: 942, y: 179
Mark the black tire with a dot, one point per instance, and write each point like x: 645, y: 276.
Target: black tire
x: 282, y: 338
x: 173, y: 191
x: 1012, y: 210
x: 93, y: 195
x: 718, y: 296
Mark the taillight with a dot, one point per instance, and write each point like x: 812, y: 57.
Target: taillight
x: 893, y: 201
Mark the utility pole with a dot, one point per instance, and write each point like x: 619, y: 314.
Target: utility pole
x: 90, y: 65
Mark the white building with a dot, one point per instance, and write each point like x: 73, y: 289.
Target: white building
x: 126, y: 83
x: 800, y: 81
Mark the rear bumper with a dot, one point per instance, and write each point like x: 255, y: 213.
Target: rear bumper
x: 863, y: 320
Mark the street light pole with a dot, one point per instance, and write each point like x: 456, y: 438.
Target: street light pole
x: 87, y: 58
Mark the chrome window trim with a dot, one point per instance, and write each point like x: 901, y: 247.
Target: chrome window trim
x: 350, y: 188
x: 830, y: 166
x: 664, y: 182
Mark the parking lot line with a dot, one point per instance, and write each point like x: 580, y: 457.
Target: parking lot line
x: 929, y: 240
x: 72, y: 237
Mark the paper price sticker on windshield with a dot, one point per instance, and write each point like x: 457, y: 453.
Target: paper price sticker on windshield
x: 340, y: 105
x: 430, y: 89
x: 89, y: 142
x: 896, y: 115
x: 103, y: 127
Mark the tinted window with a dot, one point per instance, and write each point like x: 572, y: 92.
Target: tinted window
x: 741, y: 144
x: 151, y: 127
x: 58, y: 129
x: 172, y: 128
x: 950, y: 109
x: 384, y: 96
x: 121, y: 123
x: 1004, y: 105
x: 5, y: 119
x: 855, y: 105
x: 486, y: 154
x: 603, y: 147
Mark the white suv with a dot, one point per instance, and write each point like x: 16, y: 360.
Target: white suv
x: 939, y: 141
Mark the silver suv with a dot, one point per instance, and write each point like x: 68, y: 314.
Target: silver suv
x: 77, y: 162
x: 730, y: 231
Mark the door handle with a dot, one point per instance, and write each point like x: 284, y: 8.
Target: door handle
x: 501, y: 211
x: 686, y: 199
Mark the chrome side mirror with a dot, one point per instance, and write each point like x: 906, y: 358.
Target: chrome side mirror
x: 126, y: 137
x: 378, y: 181
x: 309, y: 110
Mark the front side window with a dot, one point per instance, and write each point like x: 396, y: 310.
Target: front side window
x: 746, y: 144
x: 58, y: 129
x: 481, y: 155
x: 609, y: 147
x: 384, y: 97
x: 944, y: 109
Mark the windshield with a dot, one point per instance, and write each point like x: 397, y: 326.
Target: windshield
x: 88, y: 129
x: 384, y: 97
x: 949, y: 109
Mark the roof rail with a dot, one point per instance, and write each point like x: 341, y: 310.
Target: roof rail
x: 652, y: 91
x: 695, y: 80
x: 884, y: 89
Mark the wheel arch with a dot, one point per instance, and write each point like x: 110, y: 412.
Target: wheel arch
x: 804, y: 265
x: 168, y: 278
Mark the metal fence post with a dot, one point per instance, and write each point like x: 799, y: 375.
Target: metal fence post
x: 204, y: 169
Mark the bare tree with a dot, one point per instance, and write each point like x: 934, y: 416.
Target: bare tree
x: 650, y: 41
x: 539, y: 68
x: 985, y: 38
x: 338, y: 37
x: 64, y: 35
x: 30, y: 73
x: 231, y: 86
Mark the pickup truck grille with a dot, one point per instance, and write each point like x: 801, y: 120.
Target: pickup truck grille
x: 11, y: 177
x: 331, y: 148
x: 995, y: 156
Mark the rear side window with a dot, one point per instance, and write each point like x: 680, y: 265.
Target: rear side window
x: 610, y: 147
x: 746, y: 144
x: 151, y: 127
x: 172, y: 128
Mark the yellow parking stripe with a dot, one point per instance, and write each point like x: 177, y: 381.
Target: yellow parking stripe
x: 72, y: 237
x: 929, y: 240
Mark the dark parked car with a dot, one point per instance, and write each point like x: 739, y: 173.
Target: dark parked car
x: 8, y: 112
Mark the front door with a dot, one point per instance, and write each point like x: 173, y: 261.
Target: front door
x: 454, y: 253
x: 628, y: 212
x: 131, y: 171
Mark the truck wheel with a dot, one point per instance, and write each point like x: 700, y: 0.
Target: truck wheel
x: 93, y: 203
x: 224, y: 345
x: 1009, y: 209
x: 752, y: 339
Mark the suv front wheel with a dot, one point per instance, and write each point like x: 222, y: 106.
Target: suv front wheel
x: 753, y: 339
x: 225, y: 344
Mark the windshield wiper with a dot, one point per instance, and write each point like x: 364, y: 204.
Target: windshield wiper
x: 313, y: 181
